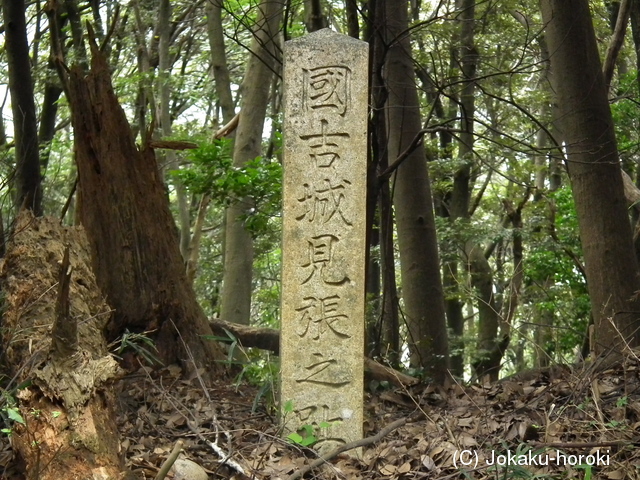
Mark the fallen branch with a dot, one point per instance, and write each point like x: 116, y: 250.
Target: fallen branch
x: 269, y: 339
x: 173, y: 144
x: 225, y: 458
x: 184, y: 145
x: 226, y: 130
x: 383, y: 373
x: 349, y: 446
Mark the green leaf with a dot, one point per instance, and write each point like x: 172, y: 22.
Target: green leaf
x: 308, y: 441
x: 14, y: 415
x: 295, y: 438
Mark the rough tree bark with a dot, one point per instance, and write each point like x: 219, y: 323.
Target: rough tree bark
x: 132, y: 234
x: 595, y: 173
x: 27, y: 180
x: 420, y: 265
x: 238, y: 255
x: 52, y: 330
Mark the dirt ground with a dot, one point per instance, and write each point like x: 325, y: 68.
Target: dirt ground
x: 540, y: 425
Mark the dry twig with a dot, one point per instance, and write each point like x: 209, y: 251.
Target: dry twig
x: 349, y: 446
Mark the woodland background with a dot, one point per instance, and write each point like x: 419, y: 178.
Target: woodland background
x: 502, y: 200
x: 501, y: 207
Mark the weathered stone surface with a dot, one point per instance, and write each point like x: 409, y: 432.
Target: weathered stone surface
x: 322, y: 339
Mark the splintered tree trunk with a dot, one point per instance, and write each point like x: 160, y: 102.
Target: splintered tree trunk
x: 132, y: 234
x: 420, y: 265
x: 52, y: 329
x: 594, y: 169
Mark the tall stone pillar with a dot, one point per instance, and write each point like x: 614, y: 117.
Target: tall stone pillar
x: 323, y: 284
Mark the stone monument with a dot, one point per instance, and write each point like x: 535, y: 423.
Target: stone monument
x: 323, y: 284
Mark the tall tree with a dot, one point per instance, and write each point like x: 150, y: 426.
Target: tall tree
x: 384, y: 334
x: 215, y: 34
x: 420, y: 265
x: 238, y: 256
x: 164, y: 87
x: 457, y: 202
x: 594, y: 169
x: 28, y: 190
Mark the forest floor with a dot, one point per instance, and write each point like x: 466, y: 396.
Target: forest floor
x: 533, y: 427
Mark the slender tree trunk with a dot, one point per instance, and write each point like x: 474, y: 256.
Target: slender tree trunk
x: 225, y: 101
x: 314, y: 17
x: 380, y: 192
x: 468, y: 58
x: 373, y: 318
x: 219, y: 59
x: 48, y: 117
x: 619, y: 27
x: 442, y: 200
x: 595, y: 172
x: 52, y: 92
x: 459, y: 200
x: 455, y: 316
x: 353, y: 27
x: 194, y: 246
x: 238, y: 257
x: 391, y: 323
x: 543, y: 314
x: 489, y: 355
x: 171, y: 161
x: 420, y: 265
x: 77, y: 32
x: 144, y: 95
x: 27, y: 180
x: 514, y: 216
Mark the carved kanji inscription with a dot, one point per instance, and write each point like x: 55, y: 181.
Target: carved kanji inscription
x: 323, y: 287
x: 327, y: 86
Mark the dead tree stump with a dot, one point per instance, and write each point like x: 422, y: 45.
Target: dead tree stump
x: 52, y: 332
